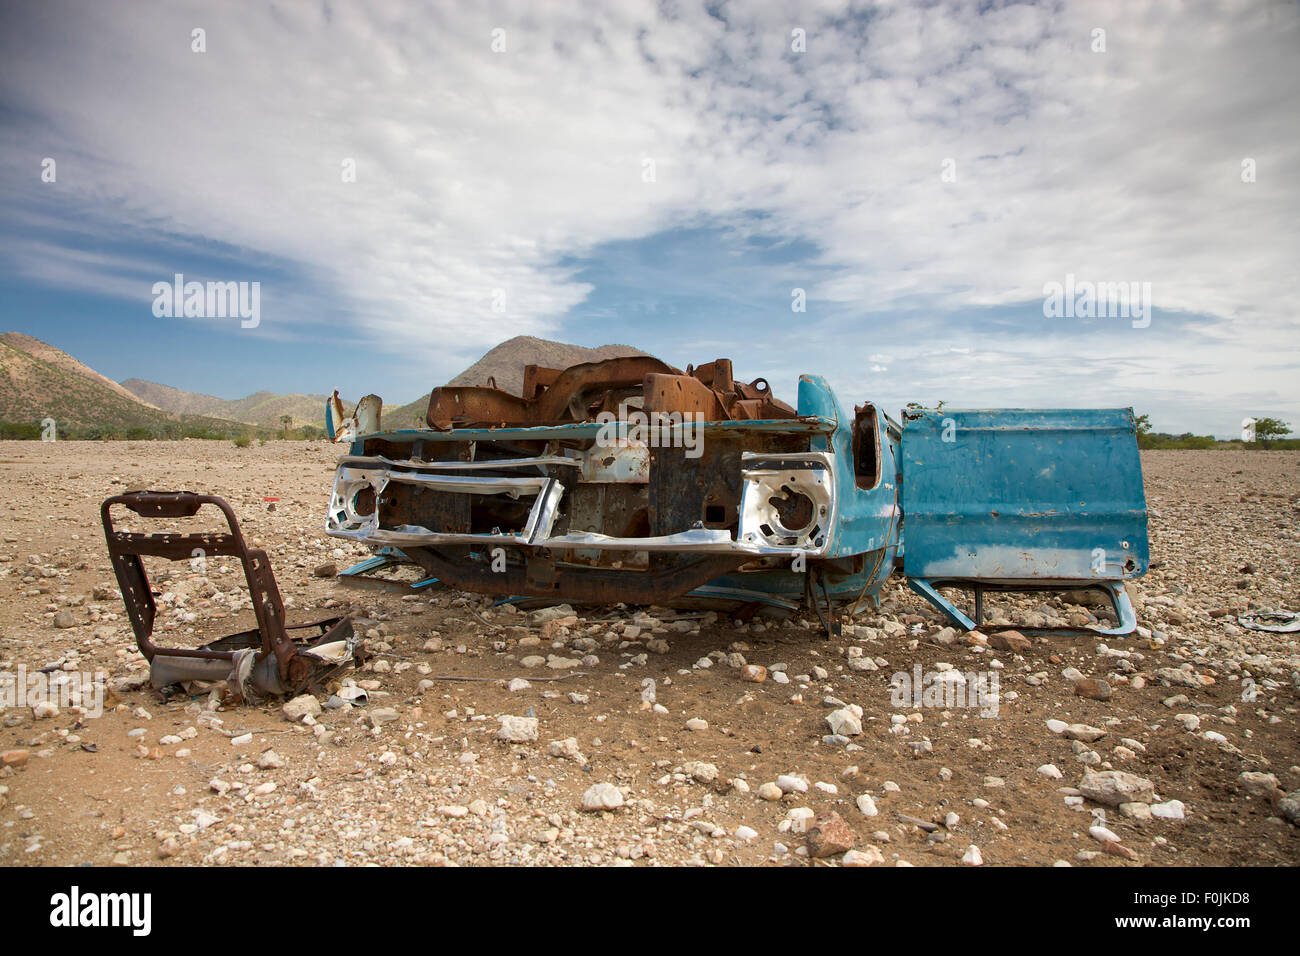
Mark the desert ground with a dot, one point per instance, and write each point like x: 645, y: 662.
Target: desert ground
x: 703, y: 766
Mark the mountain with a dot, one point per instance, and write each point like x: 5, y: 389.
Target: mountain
x: 505, y: 364
x: 38, y: 381
x: 260, y: 408
x: 60, y: 361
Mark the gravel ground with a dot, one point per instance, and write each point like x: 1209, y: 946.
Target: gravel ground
x: 632, y: 735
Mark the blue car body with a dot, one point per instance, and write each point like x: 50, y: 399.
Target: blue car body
x: 815, y: 504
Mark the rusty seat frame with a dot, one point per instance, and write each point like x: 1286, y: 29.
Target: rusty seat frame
x: 294, y: 671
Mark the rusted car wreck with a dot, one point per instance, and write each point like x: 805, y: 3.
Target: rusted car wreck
x: 628, y: 480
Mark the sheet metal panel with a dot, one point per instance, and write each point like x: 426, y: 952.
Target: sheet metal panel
x: 1021, y: 494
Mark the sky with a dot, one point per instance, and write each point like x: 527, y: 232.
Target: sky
x: 887, y: 195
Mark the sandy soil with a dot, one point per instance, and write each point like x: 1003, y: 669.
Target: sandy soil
x: 419, y: 775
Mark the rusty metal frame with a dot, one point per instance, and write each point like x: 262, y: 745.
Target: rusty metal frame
x: 272, y: 635
x: 579, y: 392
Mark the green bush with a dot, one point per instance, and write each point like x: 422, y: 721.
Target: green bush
x: 19, y: 430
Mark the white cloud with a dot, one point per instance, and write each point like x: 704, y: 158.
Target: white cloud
x: 480, y: 171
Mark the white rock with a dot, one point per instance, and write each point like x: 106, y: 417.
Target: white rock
x: 867, y: 805
x: 1169, y: 810
x: 843, y: 721
x: 1113, y: 787
x: 972, y: 856
x: 602, y: 796
x: 695, y: 723
x: 300, y: 707
x: 800, y: 818
x: 867, y: 856
x: 1049, y: 770
x: 698, y: 770
x: 517, y: 730
x: 567, y: 749
x: 1102, y: 835
x: 792, y: 783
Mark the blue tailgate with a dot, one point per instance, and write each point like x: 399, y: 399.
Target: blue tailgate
x: 1008, y: 495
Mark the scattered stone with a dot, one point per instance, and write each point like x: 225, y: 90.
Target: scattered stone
x: 1084, y: 732
x: 1101, y: 834
x: 701, y: 772
x: 270, y: 760
x: 792, y: 783
x: 568, y: 750
x: 798, y: 820
x: 829, y: 836
x: 1011, y: 641
x: 1257, y: 784
x: 300, y: 707
x: 517, y: 730
x: 972, y: 856
x: 1289, y: 807
x: 602, y: 796
x: 1177, y: 677
x: 868, y: 856
x: 867, y: 805
x: 1092, y: 689
x: 1135, y: 811
x: 845, y: 722
x: 1113, y: 787
x: 755, y: 673
x: 770, y: 791
x: 1169, y: 810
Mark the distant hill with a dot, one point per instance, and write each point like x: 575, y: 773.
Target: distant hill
x: 260, y: 408
x: 505, y: 364
x: 61, y: 361
x: 39, y: 381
